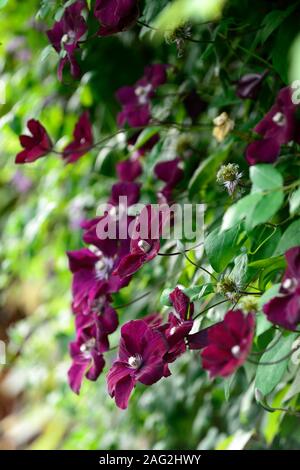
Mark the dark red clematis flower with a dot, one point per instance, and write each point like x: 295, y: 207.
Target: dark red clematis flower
x: 102, y: 316
x: 92, y: 277
x: 82, y: 140
x: 141, y: 151
x: 145, y: 242
x: 248, y: 86
x: 135, y: 100
x: 198, y: 340
x: 179, y: 324
x: 115, y: 15
x: 96, y: 230
x: 278, y: 127
x: 154, y: 320
x: 66, y: 34
x: 263, y: 151
x: 87, y: 358
x: 125, y: 189
x: 284, y: 310
x: 171, y: 173
x: 194, y: 105
x: 140, y: 359
x: 35, y: 146
x: 229, y: 343
x: 129, y: 170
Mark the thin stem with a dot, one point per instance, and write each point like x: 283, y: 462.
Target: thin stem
x: 197, y: 41
x: 166, y: 124
x: 132, y: 301
x: 264, y: 241
x: 141, y: 23
x: 181, y: 252
x: 256, y: 288
x: 288, y: 411
x: 257, y: 353
x: 211, y: 306
x: 272, y: 363
x: 112, y: 349
x: 249, y: 293
x: 247, y: 51
x: 183, y: 36
x: 200, y: 267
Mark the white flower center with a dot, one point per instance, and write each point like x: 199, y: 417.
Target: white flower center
x: 88, y: 346
x: 135, y: 361
x: 142, y: 92
x: 289, y: 284
x: 279, y: 119
x: 103, y: 267
x: 144, y: 246
x: 235, y: 351
x: 68, y: 38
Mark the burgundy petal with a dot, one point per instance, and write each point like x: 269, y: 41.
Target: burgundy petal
x: 263, y: 151
x: 123, y: 390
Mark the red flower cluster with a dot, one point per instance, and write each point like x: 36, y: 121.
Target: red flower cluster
x: 284, y: 310
x: 229, y: 343
x: 39, y: 144
x: 115, y: 15
x: 66, y: 34
x: 35, y: 146
x: 148, y: 346
x: 278, y: 127
x: 94, y: 280
x: 136, y: 99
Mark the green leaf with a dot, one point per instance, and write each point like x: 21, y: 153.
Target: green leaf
x: 264, y: 209
x: 198, y: 292
x: 264, y: 263
x: 294, y: 388
x: 295, y: 202
x: 264, y: 201
x: 164, y: 298
x: 271, y: 22
x: 270, y: 272
x: 283, y: 42
x: 294, y: 72
x: 228, y: 385
x: 264, y: 240
x: 290, y: 238
x: 268, y: 376
x: 180, y: 11
x: 240, y: 268
x: 145, y: 136
x: 240, y: 210
x: 261, y: 399
x: 268, y: 295
x: 221, y: 247
x: 264, y: 178
x: 207, y: 171
x: 46, y: 52
x: 262, y: 323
